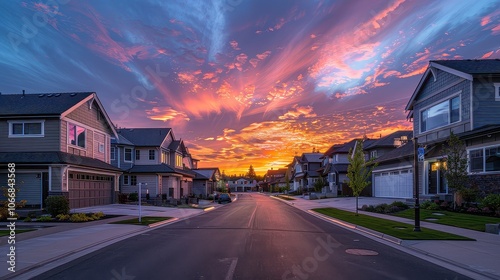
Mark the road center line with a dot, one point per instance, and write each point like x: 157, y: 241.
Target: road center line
x: 252, y: 217
x: 232, y: 268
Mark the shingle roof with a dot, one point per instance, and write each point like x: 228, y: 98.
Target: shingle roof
x: 146, y: 137
x: 473, y: 66
x: 39, y: 104
x: 154, y: 168
x: 388, y: 140
x: 54, y: 158
x: 312, y: 157
x: 204, y: 173
x: 398, y: 153
x: 344, y: 148
x: 174, y: 145
x: 340, y: 167
x: 121, y: 140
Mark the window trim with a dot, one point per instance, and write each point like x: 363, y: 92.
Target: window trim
x: 69, y: 141
x: 448, y: 98
x: 154, y: 154
x: 128, y: 180
x: 497, y: 91
x: 483, y: 149
x: 125, y: 154
x: 112, y: 153
x: 11, y: 130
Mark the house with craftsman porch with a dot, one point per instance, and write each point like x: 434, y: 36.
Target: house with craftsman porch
x: 60, y: 145
x: 463, y: 97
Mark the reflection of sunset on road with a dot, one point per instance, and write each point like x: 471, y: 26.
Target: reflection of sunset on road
x: 247, y: 82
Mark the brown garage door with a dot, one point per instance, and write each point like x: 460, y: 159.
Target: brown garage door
x: 89, y: 190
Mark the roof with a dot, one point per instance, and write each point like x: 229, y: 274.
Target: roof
x: 340, y: 167
x: 40, y: 103
x: 55, y: 158
x: 204, y: 173
x: 312, y: 157
x: 159, y: 168
x: 472, y: 66
x: 344, y: 148
x: 174, y: 145
x: 121, y: 140
x: 146, y: 137
x: 480, y: 131
x: 404, y: 151
x: 388, y: 140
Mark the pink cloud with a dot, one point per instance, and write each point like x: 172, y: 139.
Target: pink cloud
x: 234, y: 45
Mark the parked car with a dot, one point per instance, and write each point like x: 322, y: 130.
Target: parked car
x: 224, y: 197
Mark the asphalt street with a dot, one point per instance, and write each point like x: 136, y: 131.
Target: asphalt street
x: 255, y: 237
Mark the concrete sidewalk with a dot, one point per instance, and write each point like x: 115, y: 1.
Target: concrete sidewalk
x: 54, y: 244
x: 480, y: 257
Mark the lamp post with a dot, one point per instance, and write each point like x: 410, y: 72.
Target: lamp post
x: 140, y: 201
x: 417, y: 157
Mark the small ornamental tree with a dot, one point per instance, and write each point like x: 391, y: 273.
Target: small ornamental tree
x: 319, y: 184
x: 358, y: 171
x: 455, y: 165
x: 287, y: 183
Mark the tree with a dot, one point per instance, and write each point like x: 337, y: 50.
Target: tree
x: 251, y: 173
x: 319, y: 184
x: 287, y: 182
x: 455, y: 165
x: 358, y: 171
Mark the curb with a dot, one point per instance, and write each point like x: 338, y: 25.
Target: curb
x: 162, y: 222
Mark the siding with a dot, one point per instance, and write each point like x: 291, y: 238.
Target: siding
x: 87, y: 116
x: 149, y: 179
x: 145, y: 156
x: 459, y: 127
x: 50, y: 141
x: 485, y: 107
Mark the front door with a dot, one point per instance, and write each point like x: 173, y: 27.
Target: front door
x: 437, y: 182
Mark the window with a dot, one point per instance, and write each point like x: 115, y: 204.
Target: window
x: 178, y: 160
x: 151, y: 154
x: 331, y: 177
x: 126, y: 180
x: 485, y: 159
x: 137, y: 154
x: 128, y: 155
x: 76, y: 135
x: 133, y: 180
x: 101, y: 148
x: 113, y: 153
x: 373, y: 154
x: 26, y: 129
x: 164, y: 157
x: 439, y: 115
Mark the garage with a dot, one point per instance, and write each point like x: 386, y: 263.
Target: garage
x: 29, y: 186
x: 87, y: 190
x: 393, y: 183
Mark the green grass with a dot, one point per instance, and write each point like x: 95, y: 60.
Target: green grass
x: 392, y: 228
x: 6, y: 232
x: 144, y: 221
x: 285, y: 197
x: 461, y: 220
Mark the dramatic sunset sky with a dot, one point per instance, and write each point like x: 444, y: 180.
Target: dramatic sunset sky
x: 243, y: 81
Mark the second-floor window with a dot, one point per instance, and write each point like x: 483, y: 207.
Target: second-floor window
x: 26, y: 129
x: 137, y: 154
x: 373, y: 154
x: 127, y: 155
x: 439, y: 115
x: 113, y: 153
x: 151, y: 154
x: 178, y: 160
x: 76, y: 135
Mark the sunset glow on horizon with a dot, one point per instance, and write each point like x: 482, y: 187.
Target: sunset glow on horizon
x: 244, y: 82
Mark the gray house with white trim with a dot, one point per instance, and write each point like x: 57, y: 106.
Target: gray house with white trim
x: 463, y: 97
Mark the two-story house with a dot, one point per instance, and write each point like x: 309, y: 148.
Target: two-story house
x: 60, y: 145
x: 306, y: 171
x: 276, y: 178
x: 242, y: 185
x: 153, y: 158
x: 463, y: 97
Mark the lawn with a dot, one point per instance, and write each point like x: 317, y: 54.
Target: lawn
x: 285, y: 197
x: 461, y: 220
x: 6, y: 232
x: 392, y: 228
x: 144, y: 221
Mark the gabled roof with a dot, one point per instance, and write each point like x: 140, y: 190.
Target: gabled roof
x: 48, y: 104
x: 40, y: 103
x: 159, y: 168
x: 121, y: 140
x: 311, y: 157
x: 145, y: 137
x: 402, y: 152
x: 55, y: 158
x: 388, y: 140
x: 344, y: 148
x: 205, y: 173
x: 466, y: 69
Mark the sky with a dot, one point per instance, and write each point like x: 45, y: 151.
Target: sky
x: 243, y: 82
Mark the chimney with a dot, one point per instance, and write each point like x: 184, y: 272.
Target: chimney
x: 23, y: 92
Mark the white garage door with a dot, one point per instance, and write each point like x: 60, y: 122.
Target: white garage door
x: 397, y: 183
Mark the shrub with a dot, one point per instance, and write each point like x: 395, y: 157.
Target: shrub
x: 444, y: 205
x: 381, y: 208
x: 433, y: 206
x: 44, y: 218
x: 27, y: 219
x: 97, y: 216
x: 400, y: 204
x: 472, y: 210
x: 364, y: 207
x: 492, y: 201
x: 79, y: 217
x: 57, y: 204
x: 468, y: 194
x: 122, y: 198
x: 62, y: 217
x: 425, y: 204
x: 133, y: 197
